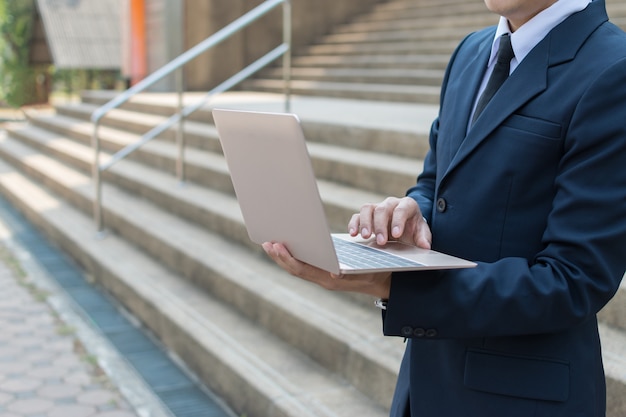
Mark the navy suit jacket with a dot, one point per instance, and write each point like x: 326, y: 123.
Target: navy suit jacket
x: 535, y: 192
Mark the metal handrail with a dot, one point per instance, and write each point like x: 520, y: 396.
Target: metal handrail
x: 183, y: 112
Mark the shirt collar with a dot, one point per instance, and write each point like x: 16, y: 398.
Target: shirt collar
x: 524, y: 39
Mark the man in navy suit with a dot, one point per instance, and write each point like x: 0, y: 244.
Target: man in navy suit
x: 534, y: 190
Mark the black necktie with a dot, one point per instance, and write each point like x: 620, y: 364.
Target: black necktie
x: 500, y: 73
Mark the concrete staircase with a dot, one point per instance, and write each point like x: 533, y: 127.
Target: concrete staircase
x: 178, y: 257
x: 398, y: 52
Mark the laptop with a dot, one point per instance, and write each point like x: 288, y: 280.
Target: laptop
x: 273, y: 178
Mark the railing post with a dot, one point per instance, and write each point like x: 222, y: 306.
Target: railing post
x: 97, y: 180
x: 180, y: 133
x: 287, y: 56
x: 176, y: 65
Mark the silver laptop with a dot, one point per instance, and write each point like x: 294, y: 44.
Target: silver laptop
x: 274, y: 182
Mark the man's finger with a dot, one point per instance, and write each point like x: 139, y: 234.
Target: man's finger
x: 365, y: 220
x: 382, y: 219
x: 354, y: 225
x: 405, y: 211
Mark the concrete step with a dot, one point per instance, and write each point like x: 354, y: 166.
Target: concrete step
x: 362, y: 75
x: 416, y: 61
x: 144, y: 116
x: 363, y: 91
x: 614, y: 358
x: 429, y: 34
x: 381, y: 48
x: 414, y: 10
x: 161, y: 104
x: 255, y: 371
x: 616, y: 8
x: 390, y: 128
x: 402, y: 22
x: 208, y: 207
x: 614, y: 313
x: 255, y: 288
x: 461, y: 5
x: 202, y: 167
x: 198, y: 135
x: 619, y: 21
x: 365, y: 170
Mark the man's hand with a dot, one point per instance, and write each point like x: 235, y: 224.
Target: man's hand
x: 397, y: 218
x: 377, y: 285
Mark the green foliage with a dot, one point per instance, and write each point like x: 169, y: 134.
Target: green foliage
x: 22, y: 83
x: 18, y: 79
x: 71, y: 81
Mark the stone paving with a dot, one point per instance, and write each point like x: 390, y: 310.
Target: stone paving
x: 44, y: 369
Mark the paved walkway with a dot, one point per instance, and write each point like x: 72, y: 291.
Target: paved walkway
x: 44, y: 369
x: 52, y: 361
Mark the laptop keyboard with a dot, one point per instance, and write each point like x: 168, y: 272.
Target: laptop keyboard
x: 359, y: 256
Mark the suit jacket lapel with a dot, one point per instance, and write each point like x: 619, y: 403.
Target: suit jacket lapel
x: 465, y: 87
x: 528, y: 80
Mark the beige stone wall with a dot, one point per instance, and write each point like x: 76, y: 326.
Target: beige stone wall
x: 311, y: 19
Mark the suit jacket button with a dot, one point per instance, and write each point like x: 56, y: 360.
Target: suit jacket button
x: 431, y: 333
x: 442, y: 205
x: 419, y: 332
x: 407, y: 331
